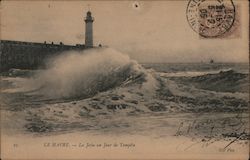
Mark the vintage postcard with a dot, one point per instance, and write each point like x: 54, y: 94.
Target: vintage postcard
x: 137, y: 79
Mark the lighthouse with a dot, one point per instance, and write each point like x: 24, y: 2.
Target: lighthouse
x: 89, y: 30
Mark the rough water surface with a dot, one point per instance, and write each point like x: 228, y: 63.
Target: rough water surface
x: 104, y: 92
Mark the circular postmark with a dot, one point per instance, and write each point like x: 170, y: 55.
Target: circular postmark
x: 210, y: 18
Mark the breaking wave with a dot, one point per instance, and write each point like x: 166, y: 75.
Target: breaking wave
x: 82, y: 90
x: 222, y: 81
x: 83, y: 74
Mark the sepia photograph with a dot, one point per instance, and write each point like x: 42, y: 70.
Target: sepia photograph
x: 124, y: 79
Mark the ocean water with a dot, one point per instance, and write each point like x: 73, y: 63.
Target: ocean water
x: 103, y: 91
x: 197, y: 67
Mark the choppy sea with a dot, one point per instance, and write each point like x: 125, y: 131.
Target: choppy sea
x: 105, y: 92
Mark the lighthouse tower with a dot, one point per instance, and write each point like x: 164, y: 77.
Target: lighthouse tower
x: 89, y: 30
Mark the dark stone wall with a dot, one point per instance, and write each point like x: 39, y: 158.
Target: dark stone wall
x: 28, y: 55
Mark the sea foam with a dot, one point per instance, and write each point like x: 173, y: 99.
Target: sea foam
x: 82, y: 74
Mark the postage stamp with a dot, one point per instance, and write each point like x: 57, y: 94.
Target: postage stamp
x: 211, y: 18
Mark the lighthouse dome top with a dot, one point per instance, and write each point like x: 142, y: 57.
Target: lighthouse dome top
x: 89, y: 18
x: 88, y: 13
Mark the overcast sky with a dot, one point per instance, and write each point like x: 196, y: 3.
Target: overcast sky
x: 153, y: 32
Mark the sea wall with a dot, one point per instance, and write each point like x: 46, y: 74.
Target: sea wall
x: 29, y: 55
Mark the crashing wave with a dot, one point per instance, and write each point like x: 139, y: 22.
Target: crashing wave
x: 84, y: 74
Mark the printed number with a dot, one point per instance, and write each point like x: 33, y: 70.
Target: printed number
x: 15, y: 145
